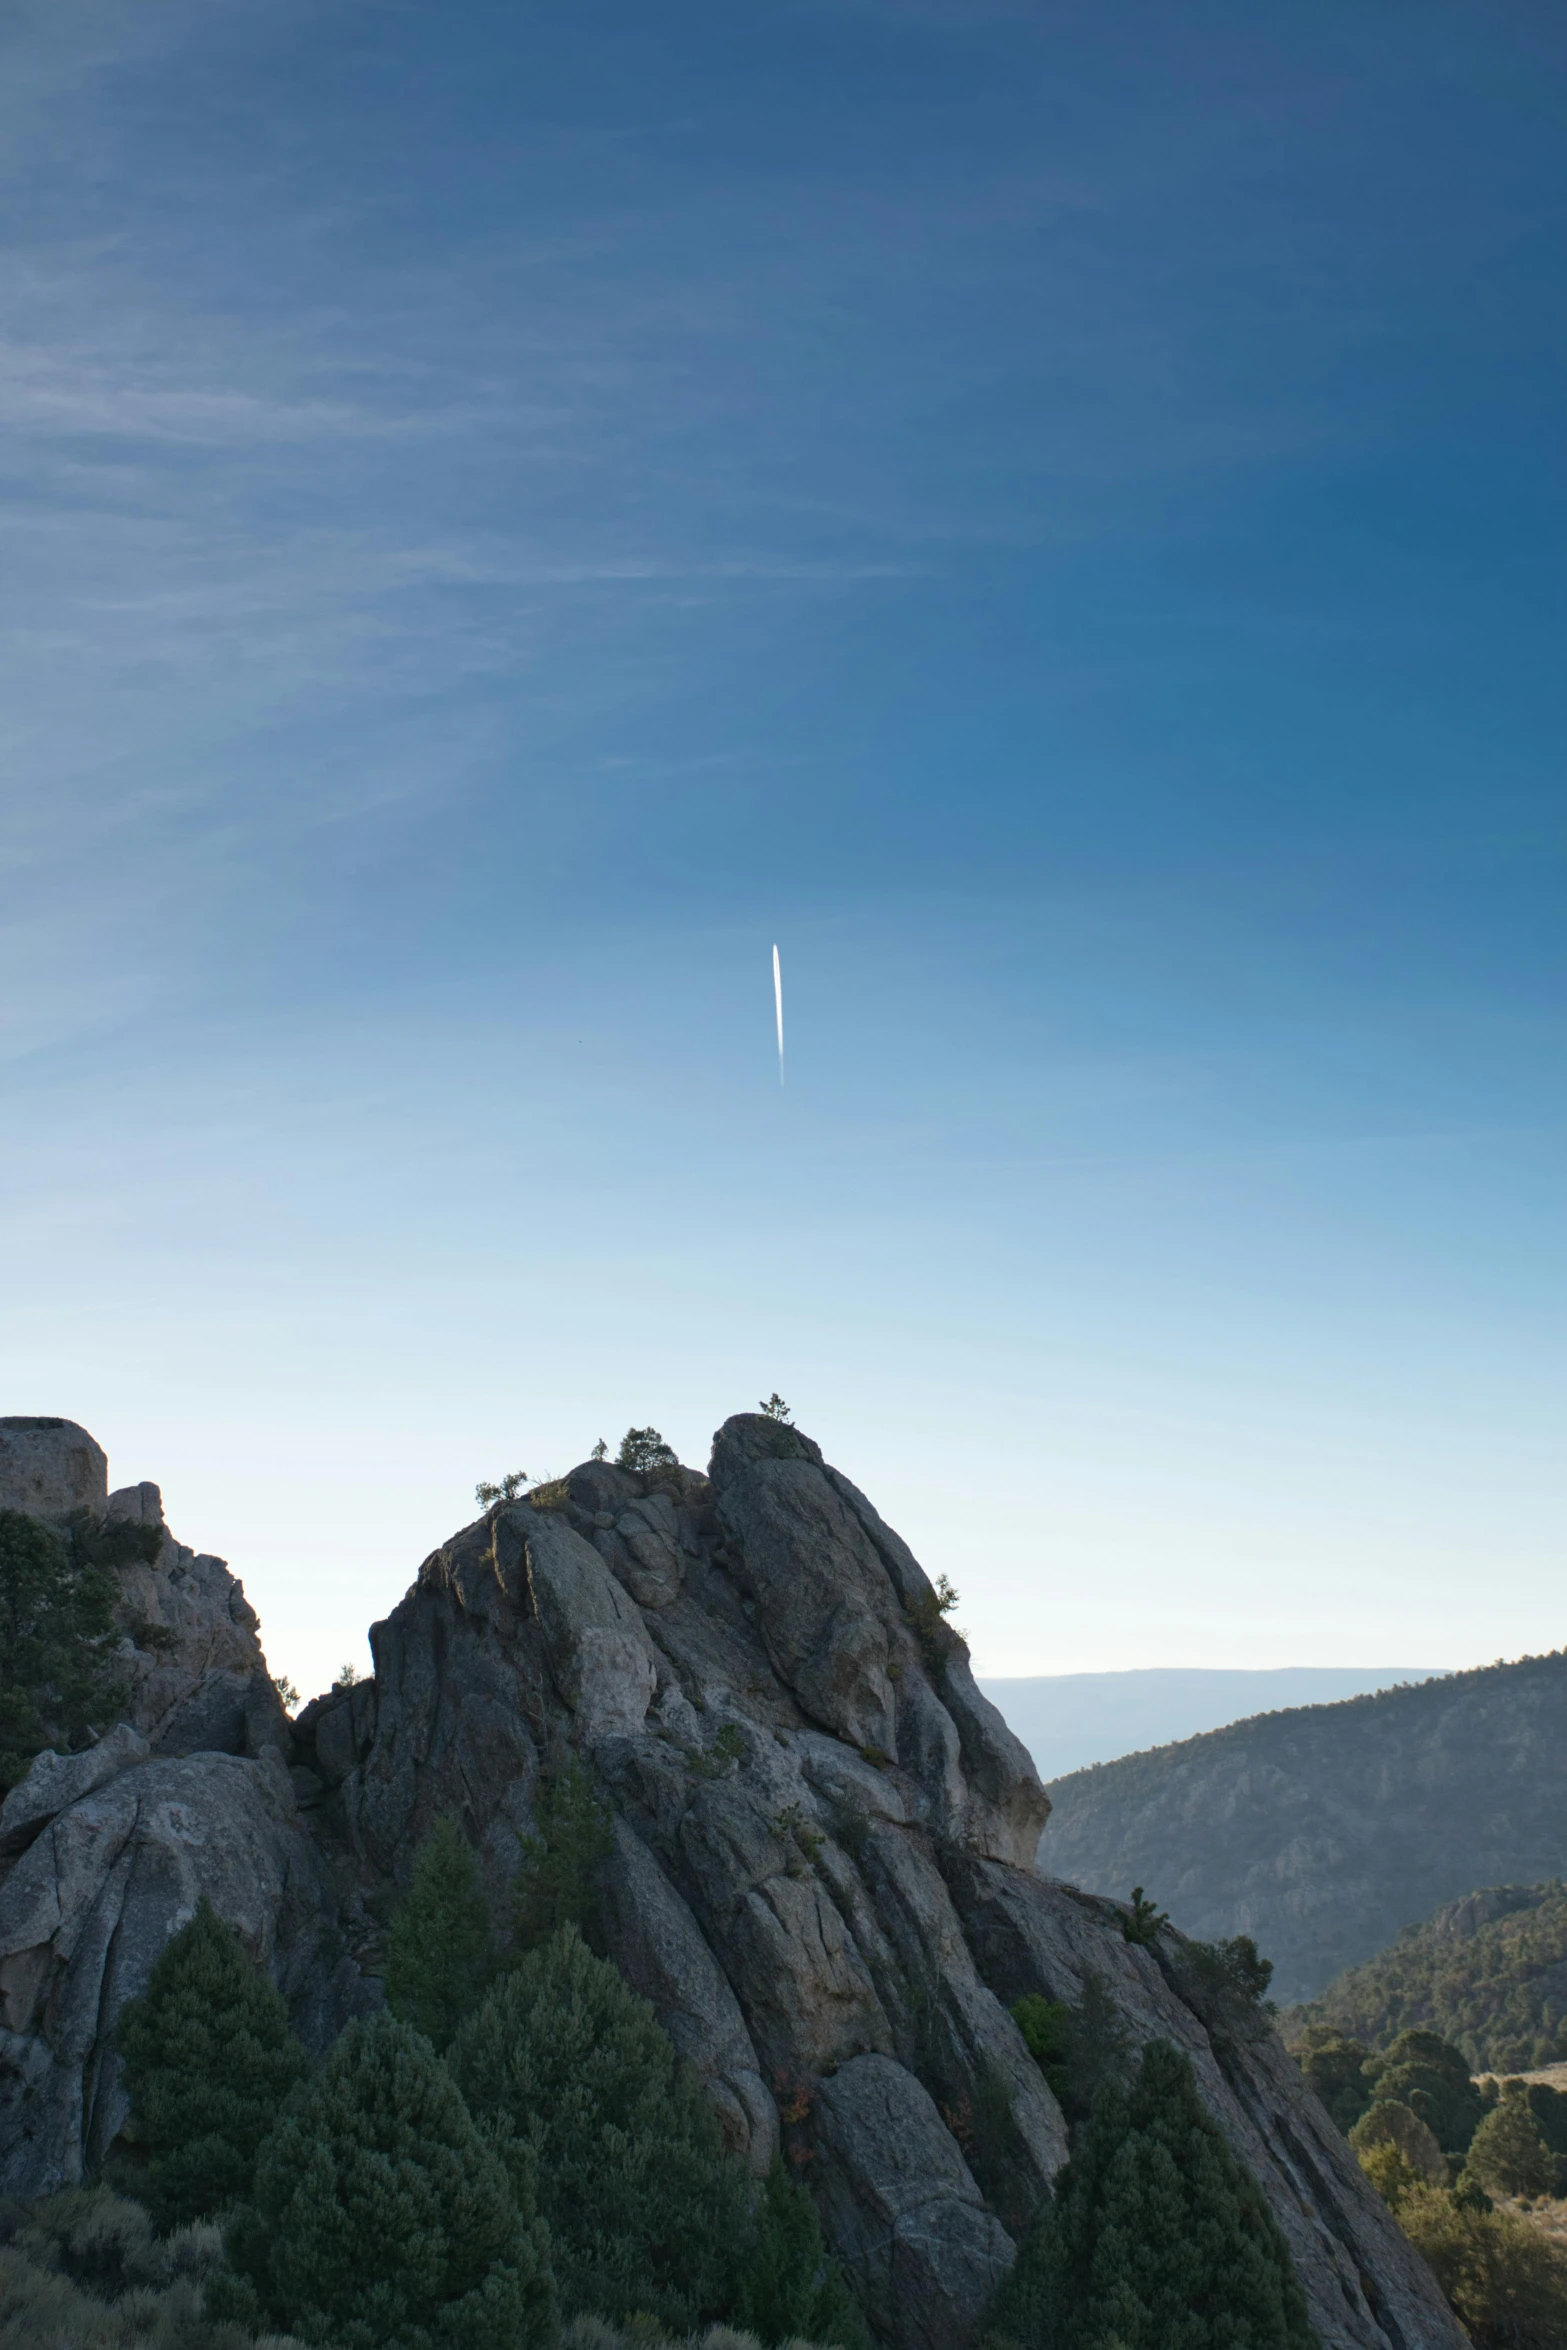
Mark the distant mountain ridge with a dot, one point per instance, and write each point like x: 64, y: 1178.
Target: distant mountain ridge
x: 1323, y: 1831
x: 1069, y: 1720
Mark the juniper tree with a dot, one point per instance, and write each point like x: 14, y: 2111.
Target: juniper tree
x: 1155, y: 2239
x: 438, y: 1949
x: 569, y: 2068
x: 382, y: 2219
x: 1508, y: 2153
x: 791, y: 2289
x: 1430, y: 2076
x: 209, y: 2059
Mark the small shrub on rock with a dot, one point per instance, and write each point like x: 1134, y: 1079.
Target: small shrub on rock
x: 209, y: 2058
x: 567, y: 2067
x: 382, y: 2219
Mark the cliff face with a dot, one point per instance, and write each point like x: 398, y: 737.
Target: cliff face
x: 104, y: 1854
x: 822, y: 1877
x: 1323, y: 1831
x: 822, y: 1872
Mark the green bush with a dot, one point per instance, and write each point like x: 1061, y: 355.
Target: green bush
x: 209, y: 2058
x: 1080, y: 2050
x: 1504, y: 2280
x: 1155, y: 2238
x: 1390, y: 2123
x: 1046, y: 2026
x: 644, y: 1449
x: 57, y: 1676
x: 382, y: 2219
x: 927, y: 1612
x: 1508, y: 2154
x: 1431, y: 2077
x: 564, y: 2065
x: 1144, y: 1922
x: 791, y: 2290
x: 438, y: 1961
x: 84, y: 2271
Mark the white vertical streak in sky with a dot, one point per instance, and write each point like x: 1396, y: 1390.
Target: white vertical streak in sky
x: 778, y: 1005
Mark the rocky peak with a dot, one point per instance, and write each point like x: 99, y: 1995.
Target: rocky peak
x: 823, y: 1870
x: 822, y: 1873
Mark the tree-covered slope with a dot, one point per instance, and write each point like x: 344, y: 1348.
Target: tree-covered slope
x: 1324, y: 1831
x: 1488, y: 1972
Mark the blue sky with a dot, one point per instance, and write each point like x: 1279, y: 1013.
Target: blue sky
x: 1052, y: 514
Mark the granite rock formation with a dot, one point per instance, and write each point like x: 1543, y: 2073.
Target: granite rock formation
x: 104, y: 1854
x: 822, y: 1872
x: 822, y: 1876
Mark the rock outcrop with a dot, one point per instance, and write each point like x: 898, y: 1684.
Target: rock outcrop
x: 822, y: 1873
x: 821, y: 1877
x: 50, y: 1469
x: 104, y: 1854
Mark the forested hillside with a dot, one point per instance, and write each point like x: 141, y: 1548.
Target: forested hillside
x: 1324, y: 1831
x: 1488, y: 1972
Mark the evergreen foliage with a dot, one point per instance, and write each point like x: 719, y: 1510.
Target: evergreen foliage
x: 1145, y: 1920
x: 1155, y: 2239
x: 209, y: 2058
x: 1080, y: 2050
x: 556, y: 1884
x: 1046, y: 2026
x: 1489, y: 1973
x: 57, y: 1634
x: 645, y: 1449
x: 1508, y: 2154
x: 438, y: 1949
x: 791, y: 2289
x: 646, y: 2212
x: 1431, y: 2077
x: 381, y: 2218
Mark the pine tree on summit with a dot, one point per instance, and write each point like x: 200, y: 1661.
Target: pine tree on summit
x: 1156, y: 2239
x: 209, y: 2058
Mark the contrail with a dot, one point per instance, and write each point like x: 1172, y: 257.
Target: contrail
x: 778, y: 1001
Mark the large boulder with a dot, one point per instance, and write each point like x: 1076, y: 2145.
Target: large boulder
x: 51, y: 1469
